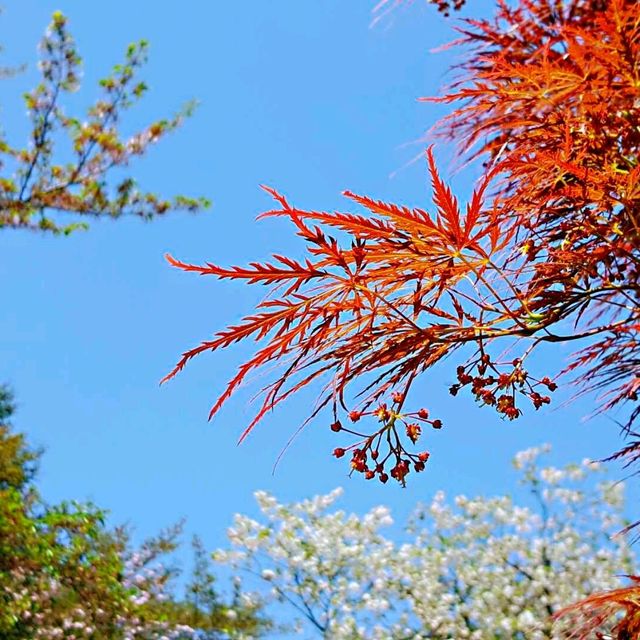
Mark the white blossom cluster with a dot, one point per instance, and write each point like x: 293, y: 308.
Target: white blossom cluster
x: 477, y: 568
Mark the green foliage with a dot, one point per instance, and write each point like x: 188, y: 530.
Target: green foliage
x: 64, y: 573
x: 17, y: 461
x: 41, y: 184
x: 54, y: 563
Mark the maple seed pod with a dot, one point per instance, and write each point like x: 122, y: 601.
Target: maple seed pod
x: 383, y: 477
x: 423, y: 413
x: 374, y: 454
x: 338, y: 453
x: 437, y: 424
x: 424, y: 456
x: 336, y: 426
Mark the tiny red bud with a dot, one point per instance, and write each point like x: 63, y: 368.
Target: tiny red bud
x: 354, y: 416
x: 397, y: 397
x: 413, y: 431
x: 383, y: 477
x: 437, y: 424
x: 503, y: 380
x: 336, y: 426
x: 369, y: 475
x: 423, y: 413
x: 359, y: 461
x: 400, y: 471
x: 338, y: 453
x: 424, y: 456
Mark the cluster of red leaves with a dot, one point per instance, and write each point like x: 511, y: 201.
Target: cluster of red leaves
x: 549, y: 98
x: 408, y: 289
x: 587, y: 618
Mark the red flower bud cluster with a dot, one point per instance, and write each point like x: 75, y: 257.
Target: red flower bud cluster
x: 492, y: 386
x: 382, y: 453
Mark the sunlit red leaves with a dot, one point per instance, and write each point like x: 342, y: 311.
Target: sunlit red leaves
x: 549, y: 99
x: 550, y: 95
x: 618, y: 611
x: 369, y: 306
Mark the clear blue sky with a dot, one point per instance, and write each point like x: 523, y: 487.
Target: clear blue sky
x: 300, y: 95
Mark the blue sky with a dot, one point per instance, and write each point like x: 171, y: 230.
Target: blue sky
x: 302, y: 96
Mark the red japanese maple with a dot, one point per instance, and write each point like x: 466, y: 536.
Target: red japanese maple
x: 549, y: 100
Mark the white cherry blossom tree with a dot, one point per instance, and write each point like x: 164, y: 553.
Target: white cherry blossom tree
x: 481, y: 568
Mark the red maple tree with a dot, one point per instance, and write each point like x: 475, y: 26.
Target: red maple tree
x: 547, y: 250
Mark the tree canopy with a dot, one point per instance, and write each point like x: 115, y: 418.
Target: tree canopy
x: 64, y: 573
x: 70, y: 170
x: 477, y: 567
